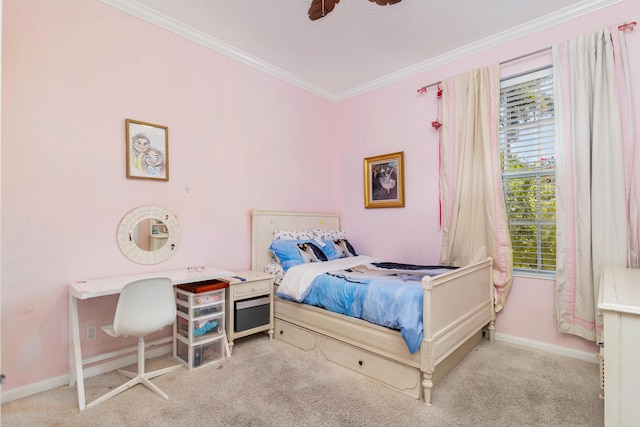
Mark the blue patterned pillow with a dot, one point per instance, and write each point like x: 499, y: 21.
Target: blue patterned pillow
x: 343, y: 249
x: 295, y: 252
x: 329, y: 249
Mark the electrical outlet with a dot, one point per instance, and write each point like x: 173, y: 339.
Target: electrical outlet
x: 91, y: 332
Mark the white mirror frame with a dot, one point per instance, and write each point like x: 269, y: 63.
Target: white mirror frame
x: 127, y: 227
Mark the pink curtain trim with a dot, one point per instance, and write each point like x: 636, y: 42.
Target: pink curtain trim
x: 570, y: 274
x: 571, y: 316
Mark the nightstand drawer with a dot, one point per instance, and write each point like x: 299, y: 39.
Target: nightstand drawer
x: 250, y: 289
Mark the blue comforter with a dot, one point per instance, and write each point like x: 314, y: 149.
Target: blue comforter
x: 387, y: 294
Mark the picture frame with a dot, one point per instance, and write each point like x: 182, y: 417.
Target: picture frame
x: 147, y: 148
x: 384, y: 181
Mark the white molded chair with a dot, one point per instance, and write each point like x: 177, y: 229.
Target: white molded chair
x: 144, y: 306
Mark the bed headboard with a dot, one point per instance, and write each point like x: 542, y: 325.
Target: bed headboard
x: 264, y: 223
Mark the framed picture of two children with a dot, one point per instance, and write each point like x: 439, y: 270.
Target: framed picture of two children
x: 147, y: 150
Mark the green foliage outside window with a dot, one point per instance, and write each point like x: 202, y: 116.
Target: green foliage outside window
x: 528, y: 171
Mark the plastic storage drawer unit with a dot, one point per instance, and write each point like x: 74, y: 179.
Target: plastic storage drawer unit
x: 199, y: 330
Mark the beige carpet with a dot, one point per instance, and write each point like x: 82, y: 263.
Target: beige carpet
x: 270, y: 383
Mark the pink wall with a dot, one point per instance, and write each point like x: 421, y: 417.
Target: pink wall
x: 73, y: 70
x: 396, y: 118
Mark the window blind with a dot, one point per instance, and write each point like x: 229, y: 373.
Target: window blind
x: 527, y: 158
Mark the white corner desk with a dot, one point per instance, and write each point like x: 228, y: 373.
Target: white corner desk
x: 111, y: 286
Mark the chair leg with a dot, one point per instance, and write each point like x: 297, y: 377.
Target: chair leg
x: 162, y: 371
x: 128, y: 374
x: 151, y: 374
x: 123, y: 387
x: 151, y: 386
x: 138, y: 378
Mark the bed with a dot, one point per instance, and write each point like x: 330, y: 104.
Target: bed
x: 457, y: 313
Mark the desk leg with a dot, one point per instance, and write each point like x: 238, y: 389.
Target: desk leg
x: 227, y: 347
x: 75, y: 355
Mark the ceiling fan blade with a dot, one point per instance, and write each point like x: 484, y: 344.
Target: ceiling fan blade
x: 316, y: 12
x: 385, y: 2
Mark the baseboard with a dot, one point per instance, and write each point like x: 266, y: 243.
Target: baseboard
x: 35, y: 388
x: 63, y: 380
x: 549, y: 348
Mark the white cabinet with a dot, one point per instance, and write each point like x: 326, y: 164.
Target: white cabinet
x: 619, y: 304
x: 199, y: 333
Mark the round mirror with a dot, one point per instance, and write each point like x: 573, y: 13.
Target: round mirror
x: 148, y: 234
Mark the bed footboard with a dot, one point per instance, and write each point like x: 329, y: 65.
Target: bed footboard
x: 457, y: 305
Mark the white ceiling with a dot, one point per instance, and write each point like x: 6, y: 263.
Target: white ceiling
x: 359, y: 45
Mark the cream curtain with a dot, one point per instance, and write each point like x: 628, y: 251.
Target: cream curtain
x: 474, y: 219
x: 596, y: 209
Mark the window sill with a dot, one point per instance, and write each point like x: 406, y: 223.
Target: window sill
x: 528, y: 275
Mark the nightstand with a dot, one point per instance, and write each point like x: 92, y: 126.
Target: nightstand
x: 249, y: 304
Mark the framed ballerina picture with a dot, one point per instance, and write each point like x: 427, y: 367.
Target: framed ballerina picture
x: 147, y: 147
x: 384, y: 181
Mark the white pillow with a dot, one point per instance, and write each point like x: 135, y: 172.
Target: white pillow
x: 275, y: 269
x: 292, y: 235
x: 321, y: 234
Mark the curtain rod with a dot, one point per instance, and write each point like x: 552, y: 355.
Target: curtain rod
x: 423, y: 89
x: 622, y: 27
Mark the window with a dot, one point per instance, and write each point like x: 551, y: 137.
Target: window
x: 527, y: 138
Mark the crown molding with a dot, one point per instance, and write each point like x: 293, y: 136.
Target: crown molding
x: 154, y: 17
x: 482, y: 45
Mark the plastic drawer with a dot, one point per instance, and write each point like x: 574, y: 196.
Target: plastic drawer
x: 192, y: 299
x: 202, y: 354
x: 201, y: 311
x: 201, y: 328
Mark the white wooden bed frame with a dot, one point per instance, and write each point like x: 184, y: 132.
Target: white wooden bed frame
x: 457, y: 307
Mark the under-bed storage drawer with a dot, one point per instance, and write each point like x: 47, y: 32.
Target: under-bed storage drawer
x: 295, y: 335
x: 396, y: 375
